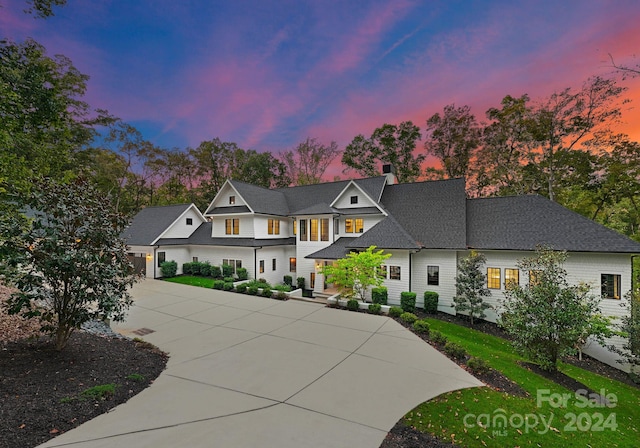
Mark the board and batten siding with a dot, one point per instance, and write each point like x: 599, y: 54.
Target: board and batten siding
x: 446, y: 261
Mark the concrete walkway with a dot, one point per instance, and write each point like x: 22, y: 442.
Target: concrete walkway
x: 253, y: 372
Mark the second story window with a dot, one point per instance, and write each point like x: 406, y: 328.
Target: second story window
x: 352, y: 225
x: 303, y: 230
x: 232, y: 200
x: 313, y: 233
x: 273, y: 227
x: 295, y: 227
x: 354, y: 199
x: 232, y: 226
x: 189, y: 221
x: 324, y: 229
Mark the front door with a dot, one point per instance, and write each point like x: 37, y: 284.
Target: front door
x: 312, y: 280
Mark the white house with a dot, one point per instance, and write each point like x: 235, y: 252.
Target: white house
x: 426, y: 226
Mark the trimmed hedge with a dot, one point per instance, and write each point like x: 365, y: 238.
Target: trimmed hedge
x: 169, y: 268
x: 375, y: 308
x: 241, y: 288
x: 242, y: 273
x: 421, y: 326
x: 300, y: 282
x: 287, y: 280
x: 408, y: 301
x: 215, y: 272
x: 227, y: 270
x: 431, y: 302
x: 408, y: 318
x: 395, y: 311
x: 379, y: 295
x: 353, y: 305
x: 218, y: 284
x: 437, y: 337
x: 228, y: 286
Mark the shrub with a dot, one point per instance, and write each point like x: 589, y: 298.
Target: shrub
x: 260, y: 283
x: 241, y: 288
x: 288, y: 280
x: 437, y: 337
x: 215, y: 272
x: 101, y: 392
x: 431, y: 302
x: 218, y: 284
x: 300, y: 282
x: 353, y: 305
x: 195, y: 268
x: 227, y: 270
x: 282, y: 288
x: 280, y: 295
x: 169, y: 268
x: 379, y: 295
x: 478, y: 365
x: 408, y: 318
x: 228, y: 286
x: 266, y: 292
x: 395, y: 311
x: 454, y: 350
x: 263, y: 281
x: 205, y: 269
x: 242, y: 273
x: 375, y: 308
x: 186, y: 268
x: 252, y: 290
x: 229, y: 280
x: 408, y: 301
x: 421, y: 326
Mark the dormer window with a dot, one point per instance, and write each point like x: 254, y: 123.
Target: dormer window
x: 232, y: 200
x: 189, y: 221
x: 354, y: 199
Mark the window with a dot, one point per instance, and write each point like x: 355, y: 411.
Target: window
x: 232, y: 226
x: 194, y: 259
x: 511, y: 277
x: 235, y: 264
x: 232, y: 200
x: 303, y: 230
x: 273, y: 227
x: 353, y: 225
x: 262, y: 266
x: 336, y: 226
x: 324, y: 229
x: 433, y: 275
x: 534, y: 278
x: 354, y: 199
x: 348, y: 225
x: 610, y: 286
x: 394, y: 272
x: 493, y: 278
x: 382, y: 272
x: 295, y: 227
x: 273, y: 264
x: 359, y: 225
x: 189, y: 221
x: 292, y: 264
x: 162, y: 257
x: 313, y: 230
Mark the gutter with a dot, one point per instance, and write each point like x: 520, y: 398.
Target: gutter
x: 255, y: 261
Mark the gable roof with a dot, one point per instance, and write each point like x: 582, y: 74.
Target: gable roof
x: 433, y: 213
x: 202, y: 237
x: 523, y: 222
x: 151, y: 222
x: 387, y: 234
x: 339, y: 249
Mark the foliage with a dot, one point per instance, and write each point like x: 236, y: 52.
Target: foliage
x: 266, y: 292
x: 357, y: 272
x: 242, y: 273
x: 379, y: 295
x: 43, y: 8
x: 287, y: 280
x: 431, y: 302
x: 203, y: 282
x: 137, y: 377
x: 228, y: 286
x: 471, y: 286
x: 169, y: 268
x: 629, y: 328
x: 101, y: 392
x: 69, y: 262
x: 437, y: 337
x: 408, y: 318
x: 478, y: 365
x: 395, y: 311
x: 549, y: 317
x: 421, y: 326
x: 216, y: 272
x: 252, y: 290
x: 260, y: 283
x: 241, y: 288
x: 205, y: 269
x: 227, y: 270
x: 408, y: 301
x: 283, y: 287
x: 300, y: 282
x: 353, y: 305
x: 455, y: 350
x: 308, y: 161
x: 389, y: 144
x: 187, y: 268
x: 453, y: 138
x: 229, y: 279
x: 218, y: 284
x: 375, y: 308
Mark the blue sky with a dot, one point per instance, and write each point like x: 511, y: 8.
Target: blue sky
x: 267, y: 74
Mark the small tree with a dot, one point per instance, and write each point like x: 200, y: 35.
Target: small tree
x: 69, y: 262
x: 629, y: 328
x: 471, y: 286
x: 357, y: 272
x: 548, y: 318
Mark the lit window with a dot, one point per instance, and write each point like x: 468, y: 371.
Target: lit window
x: 292, y: 264
x: 511, y: 277
x: 534, y: 278
x: 382, y: 271
x: 394, y: 272
x: 232, y: 226
x: 261, y: 266
x: 273, y: 227
x: 433, y: 275
x: 354, y: 199
x: 324, y: 229
x: 359, y: 225
x: 189, y: 221
x: 493, y: 278
x: 295, y: 227
x: 232, y: 200
x: 348, y: 225
x: 313, y: 230
x: 610, y: 284
x: 303, y: 230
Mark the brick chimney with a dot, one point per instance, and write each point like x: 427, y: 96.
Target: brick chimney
x: 390, y: 173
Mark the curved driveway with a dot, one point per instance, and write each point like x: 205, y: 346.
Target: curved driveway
x: 253, y: 372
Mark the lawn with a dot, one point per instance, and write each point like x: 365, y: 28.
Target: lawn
x: 204, y: 282
x: 551, y: 416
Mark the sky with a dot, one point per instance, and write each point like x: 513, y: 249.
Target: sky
x: 268, y: 74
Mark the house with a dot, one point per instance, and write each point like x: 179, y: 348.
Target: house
x: 425, y: 226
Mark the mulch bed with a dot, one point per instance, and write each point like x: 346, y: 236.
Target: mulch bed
x: 40, y: 388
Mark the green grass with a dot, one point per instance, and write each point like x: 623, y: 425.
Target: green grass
x: 204, y: 282
x: 101, y: 392
x: 136, y: 377
x: 445, y: 416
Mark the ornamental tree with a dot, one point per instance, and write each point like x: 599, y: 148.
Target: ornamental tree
x: 68, y: 263
x: 548, y: 318
x: 471, y: 286
x: 357, y: 272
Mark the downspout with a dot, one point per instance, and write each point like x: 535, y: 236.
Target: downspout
x: 255, y: 261
x: 155, y: 260
x: 410, y: 257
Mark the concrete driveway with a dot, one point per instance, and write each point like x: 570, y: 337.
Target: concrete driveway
x: 253, y: 372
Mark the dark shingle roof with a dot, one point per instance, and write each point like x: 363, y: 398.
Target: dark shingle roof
x: 433, y: 213
x: 321, y: 208
x: 232, y: 209
x: 337, y: 250
x: 151, y: 222
x: 358, y: 211
x: 523, y: 222
x: 387, y: 234
x: 259, y: 199
x: 202, y: 237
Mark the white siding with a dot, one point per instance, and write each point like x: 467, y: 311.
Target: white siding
x: 261, y: 226
x: 395, y: 287
x: 179, y: 254
x: 150, y: 259
x: 245, y: 228
x: 447, y: 262
x: 368, y: 222
x: 180, y: 229
x: 344, y: 200
x: 282, y: 255
x: 222, y: 198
